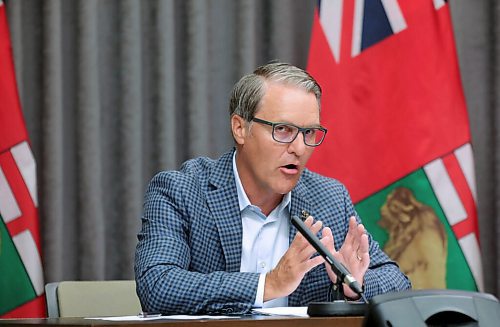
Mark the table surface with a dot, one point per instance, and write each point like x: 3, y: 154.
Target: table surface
x: 240, y: 321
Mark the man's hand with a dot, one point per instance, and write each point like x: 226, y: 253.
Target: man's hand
x: 295, y: 263
x: 353, y: 253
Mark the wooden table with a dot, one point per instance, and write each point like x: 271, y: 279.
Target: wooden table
x: 241, y: 321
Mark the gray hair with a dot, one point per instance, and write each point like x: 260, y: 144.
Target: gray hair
x: 249, y: 90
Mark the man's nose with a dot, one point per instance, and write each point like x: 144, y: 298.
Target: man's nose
x: 298, y: 146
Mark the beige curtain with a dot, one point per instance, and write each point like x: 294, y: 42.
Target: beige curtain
x: 114, y: 91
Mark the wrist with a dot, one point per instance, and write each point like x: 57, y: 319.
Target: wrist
x: 269, y: 287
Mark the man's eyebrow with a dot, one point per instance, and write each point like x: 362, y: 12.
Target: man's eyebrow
x: 312, y: 126
x: 303, y: 126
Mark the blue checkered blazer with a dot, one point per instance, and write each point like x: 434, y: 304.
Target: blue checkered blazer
x: 189, y: 250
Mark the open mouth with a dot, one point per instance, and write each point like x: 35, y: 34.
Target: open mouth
x: 290, y: 169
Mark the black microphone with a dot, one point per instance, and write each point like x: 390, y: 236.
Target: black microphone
x: 338, y: 268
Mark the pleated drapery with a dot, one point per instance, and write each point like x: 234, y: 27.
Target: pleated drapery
x: 114, y: 91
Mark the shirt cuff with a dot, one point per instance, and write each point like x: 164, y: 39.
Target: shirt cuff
x: 259, y: 298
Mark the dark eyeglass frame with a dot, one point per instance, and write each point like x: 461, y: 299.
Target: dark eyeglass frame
x: 302, y: 130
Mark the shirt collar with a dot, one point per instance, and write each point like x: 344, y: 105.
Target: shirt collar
x: 242, y: 196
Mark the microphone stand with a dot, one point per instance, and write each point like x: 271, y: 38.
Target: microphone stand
x: 340, y: 306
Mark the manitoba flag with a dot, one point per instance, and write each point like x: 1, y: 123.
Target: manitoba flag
x: 21, y: 276
x: 399, y: 134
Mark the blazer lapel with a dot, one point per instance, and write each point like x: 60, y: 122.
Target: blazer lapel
x: 222, y: 201
x: 300, y: 201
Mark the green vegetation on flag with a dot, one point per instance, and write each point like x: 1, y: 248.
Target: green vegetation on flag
x: 15, y: 284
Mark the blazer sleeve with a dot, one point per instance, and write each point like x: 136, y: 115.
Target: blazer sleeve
x: 165, y: 281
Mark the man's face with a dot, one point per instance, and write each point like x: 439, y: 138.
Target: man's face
x: 267, y: 167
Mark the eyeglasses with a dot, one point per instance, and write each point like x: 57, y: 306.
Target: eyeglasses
x: 287, y: 133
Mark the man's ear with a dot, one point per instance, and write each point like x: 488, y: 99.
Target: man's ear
x: 239, y: 129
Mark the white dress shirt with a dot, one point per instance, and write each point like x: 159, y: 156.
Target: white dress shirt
x: 265, y: 239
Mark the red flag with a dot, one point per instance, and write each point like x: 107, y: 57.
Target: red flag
x: 399, y: 133
x: 21, y: 274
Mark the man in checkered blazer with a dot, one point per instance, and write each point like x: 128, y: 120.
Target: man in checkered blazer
x: 216, y: 236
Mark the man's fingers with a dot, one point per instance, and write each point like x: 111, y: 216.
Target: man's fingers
x: 304, y: 250
x: 301, y: 247
x: 309, y: 250
x: 327, y: 239
x: 299, y: 241
x: 353, y: 233
x: 313, y: 262
x: 361, y: 229
x: 363, y: 244
x: 349, y: 238
x: 316, y: 227
x: 309, y: 221
x: 299, y: 259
